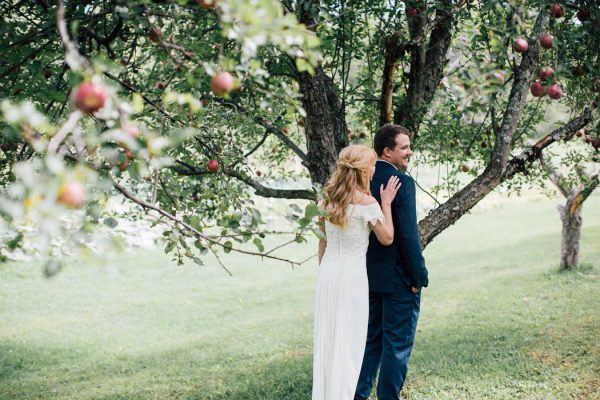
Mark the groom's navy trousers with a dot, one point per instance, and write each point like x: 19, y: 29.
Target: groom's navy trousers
x: 393, y: 307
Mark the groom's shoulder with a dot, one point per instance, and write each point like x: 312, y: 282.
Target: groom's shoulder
x: 406, y: 181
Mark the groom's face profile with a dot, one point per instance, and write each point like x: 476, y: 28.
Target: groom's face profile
x: 400, y: 154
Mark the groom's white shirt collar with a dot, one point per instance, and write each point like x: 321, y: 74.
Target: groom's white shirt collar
x: 385, y: 161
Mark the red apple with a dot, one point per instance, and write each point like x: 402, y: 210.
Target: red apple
x: 546, y: 40
x: 411, y: 12
x: 583, y: 14
x: 537, y: 89
x: 579, y: 70
x: 520, y: 45
x: 554, y: 92
x: 90, y: 97
x: 208, y: 4
x: 47, y: 73
x: 258, y: 173
x: 221, y: 83
x: 286, y: 130
x: 72, y: 194
x: 213, y: 165
x: 5, y: 147
x: 596, y: 85
x: 594, y: 104
x: 160, y: 85
x: 155, y: 35
x: 546, y: 73
x: 557, y: 11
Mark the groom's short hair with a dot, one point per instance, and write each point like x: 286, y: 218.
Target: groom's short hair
x: 386, y: 137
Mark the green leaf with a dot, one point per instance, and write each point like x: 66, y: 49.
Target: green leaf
x: 197, y: 260
x: 259, y: 245
x: 110, y: 222
x: 311, y: 211
x: 138, y: 103
x: 304, y: 66
x: 15, y: 242
x: 227, y: 246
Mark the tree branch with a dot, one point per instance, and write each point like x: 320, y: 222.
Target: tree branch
x: 517, y: 97
x: 191, y: 229
x: 268, y: 125
x: 553, y: 175
x: 565, y: 132
x: 264, y: 191
x: 462, y: 201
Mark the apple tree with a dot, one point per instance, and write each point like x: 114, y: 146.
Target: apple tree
x: 206, y: 103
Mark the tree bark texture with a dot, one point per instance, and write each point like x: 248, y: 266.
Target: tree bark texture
x: 427, y: 65
x: 324, y: 125
x: 570, y: 215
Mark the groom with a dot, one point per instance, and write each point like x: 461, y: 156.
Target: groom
x: 396, y: 275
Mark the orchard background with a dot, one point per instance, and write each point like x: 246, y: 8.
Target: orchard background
x: 206, y: 129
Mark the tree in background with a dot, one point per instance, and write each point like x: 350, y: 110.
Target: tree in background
x: 576, y: 187
x: 202, y: 100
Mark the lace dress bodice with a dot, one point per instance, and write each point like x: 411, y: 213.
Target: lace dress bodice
x: 353, y: 240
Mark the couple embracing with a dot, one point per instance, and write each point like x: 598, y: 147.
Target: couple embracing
x: 371, y: 272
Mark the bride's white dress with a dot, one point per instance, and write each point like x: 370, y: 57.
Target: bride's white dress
x: 342, y: 305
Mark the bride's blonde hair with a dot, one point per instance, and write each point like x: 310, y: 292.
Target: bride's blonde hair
x: 351, y: 173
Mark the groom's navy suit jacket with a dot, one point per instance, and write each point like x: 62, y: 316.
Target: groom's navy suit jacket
x: 403, y: 259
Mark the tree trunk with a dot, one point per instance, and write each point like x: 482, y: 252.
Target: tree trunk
x: 570, y: 215
x: 325, y: 123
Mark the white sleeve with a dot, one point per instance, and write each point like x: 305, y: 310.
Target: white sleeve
x: 373, y: 214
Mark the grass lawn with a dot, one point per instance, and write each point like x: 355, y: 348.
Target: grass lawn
x: 498, y: 321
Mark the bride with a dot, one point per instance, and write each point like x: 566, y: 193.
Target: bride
x: 342, y: 300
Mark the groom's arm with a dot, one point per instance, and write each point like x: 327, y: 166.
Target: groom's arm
x: 405, y: 214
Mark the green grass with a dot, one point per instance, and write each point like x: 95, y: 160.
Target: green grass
x: 498, y: 321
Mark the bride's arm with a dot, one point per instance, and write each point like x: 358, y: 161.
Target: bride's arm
x: 322, y: 242
x: 385, y: 229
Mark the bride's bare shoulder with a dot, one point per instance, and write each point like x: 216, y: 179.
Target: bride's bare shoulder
x: 367, y: 200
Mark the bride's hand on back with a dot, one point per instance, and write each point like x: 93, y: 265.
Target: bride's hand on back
x: 389, y: 193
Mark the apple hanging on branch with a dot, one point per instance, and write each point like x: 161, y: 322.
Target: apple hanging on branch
x: 579, y: 70
x: 555, y: 92
x: 537, y: 89
x: 546, y: 40
x: 546, y: 73
x: 71, y: 194
x: 90, y: 96
x: 212, y: 165
x: 583, y: 14
x: 208, y: 4
x: 520, y: 45
x: 411, y: 12
x: 222, y: 83
x: 557, y: 11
